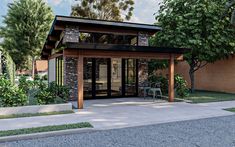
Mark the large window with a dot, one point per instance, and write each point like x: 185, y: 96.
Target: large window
x: 101, y: 38
x: 87, y: 75
x: 116, y: 77
x: 59, y: 70
x: 110, y: 77
x: 131, y: 77
x: 101, y: 77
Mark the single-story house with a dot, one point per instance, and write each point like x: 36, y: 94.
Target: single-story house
x: 103, y: 59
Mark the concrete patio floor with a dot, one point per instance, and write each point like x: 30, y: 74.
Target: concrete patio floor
x: 125, y: 112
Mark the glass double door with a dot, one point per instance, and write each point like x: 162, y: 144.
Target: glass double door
x: 110, y: 77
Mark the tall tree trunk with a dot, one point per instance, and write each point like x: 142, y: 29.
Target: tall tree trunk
x: 191, y: 74
x: 33, y: 67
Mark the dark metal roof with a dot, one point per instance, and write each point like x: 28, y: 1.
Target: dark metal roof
x: 108, y: 47
x: 109, y: 25
x: 68, y: 19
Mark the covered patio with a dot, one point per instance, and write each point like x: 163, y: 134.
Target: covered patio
x: 88, y: 65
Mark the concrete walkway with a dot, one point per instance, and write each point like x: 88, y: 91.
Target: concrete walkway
x: 125, y: 112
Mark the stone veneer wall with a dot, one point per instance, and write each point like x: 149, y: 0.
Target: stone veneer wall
x: 70, y: 76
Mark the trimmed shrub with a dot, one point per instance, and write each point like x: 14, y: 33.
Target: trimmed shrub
x: 181, y: 86
x: 25, y: 84
x: 11, y: 95
x: 53, y: 94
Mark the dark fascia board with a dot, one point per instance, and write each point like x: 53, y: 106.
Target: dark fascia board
x: 108, y: 23
x: 106, y: 47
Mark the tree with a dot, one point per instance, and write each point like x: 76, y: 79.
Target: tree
x: 104, y: 9
x: 25, y: 28
x: 196, y: 24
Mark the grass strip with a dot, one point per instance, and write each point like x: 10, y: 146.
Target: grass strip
x: 34, y: 114
x: 230, y: 109
x: 45, y: 129
x: 209, y: 96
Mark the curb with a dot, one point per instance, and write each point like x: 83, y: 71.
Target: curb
x: 45, y: 134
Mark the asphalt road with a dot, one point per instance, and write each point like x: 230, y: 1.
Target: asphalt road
x: 212, y: 132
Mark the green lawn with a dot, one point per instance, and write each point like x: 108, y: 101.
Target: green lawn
x: 230, y: 109
x: 45, y: 129
x: 35, y: 114
x: 206, y: 96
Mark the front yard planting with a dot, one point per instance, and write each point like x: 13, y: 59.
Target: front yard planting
x: 27, y: 92
x: 208, y: 96
x: 45, y: 129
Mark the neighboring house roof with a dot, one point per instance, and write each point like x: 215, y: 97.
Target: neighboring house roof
x: 41, y: 65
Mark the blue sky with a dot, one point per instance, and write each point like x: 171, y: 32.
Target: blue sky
x: 143, y: 12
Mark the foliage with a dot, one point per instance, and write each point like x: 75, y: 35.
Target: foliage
x: 196, y: 24
x: 209, y: 96
x: 52, y: 94
x: 8, y: 66
x: 162, y: 80
x: 27, y: 85
x: 154, y: 65
x: 11, y: 95
x: 24, y: 84
x: 59, y: 90
x: 45, y: 129
x: 104, y: 9
x: 25, y: 28
x: 230, y: 109
x: 45, y: 97
x: 181, y: 86
x: 45, y: 77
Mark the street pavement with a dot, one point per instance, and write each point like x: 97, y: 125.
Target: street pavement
x: 208, y: 132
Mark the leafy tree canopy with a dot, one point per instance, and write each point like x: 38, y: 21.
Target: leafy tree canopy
x: 197, y: 25
x: 104, y: 9
x: 25, y: 28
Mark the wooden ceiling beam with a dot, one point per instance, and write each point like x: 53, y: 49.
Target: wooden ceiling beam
x: 53, y: 38
x: 49, y: 47
x: 59, y: 28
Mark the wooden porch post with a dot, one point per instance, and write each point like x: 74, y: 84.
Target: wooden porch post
x: 171, y: 79
x: 80, y: 81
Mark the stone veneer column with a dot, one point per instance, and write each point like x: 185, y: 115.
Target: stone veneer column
x: 70, y: 76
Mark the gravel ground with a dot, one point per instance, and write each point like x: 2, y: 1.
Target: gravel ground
x: 212, y: 132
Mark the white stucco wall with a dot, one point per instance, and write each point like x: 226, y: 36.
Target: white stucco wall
x: 51, y: 70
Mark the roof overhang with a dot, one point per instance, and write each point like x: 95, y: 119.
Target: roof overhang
x: 113, y: 27
x: 129, y: 48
